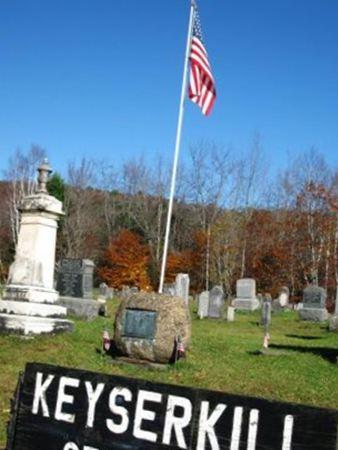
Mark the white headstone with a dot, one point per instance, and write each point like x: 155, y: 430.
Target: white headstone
x: 246, y: 295
x: 182, y: 286
x: 283, y: 297
x: 246, y: 288
x: 203, y: 304
x: 231, y: 314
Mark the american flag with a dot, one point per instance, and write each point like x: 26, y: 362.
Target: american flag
x: 202, y: 85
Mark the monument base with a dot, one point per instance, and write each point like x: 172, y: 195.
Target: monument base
x: 26, y: 293
x: 82, y: 307
x: 32, y: 309
x: 246, y: 304
x: 313, y: 314
x: 333, y: 324
x: 28, y: 325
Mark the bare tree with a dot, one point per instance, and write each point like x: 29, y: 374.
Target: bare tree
x: 81, y: 206
x: 249, y: 188
x: 21, y: 176
x: 207, y: 183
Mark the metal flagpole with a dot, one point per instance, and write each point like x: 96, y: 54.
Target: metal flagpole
x: 177, y: 146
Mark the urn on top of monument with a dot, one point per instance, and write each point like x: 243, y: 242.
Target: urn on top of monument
x: 44, y: 171
x: 41, y: 200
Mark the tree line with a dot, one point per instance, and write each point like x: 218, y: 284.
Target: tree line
x: 231, y: 218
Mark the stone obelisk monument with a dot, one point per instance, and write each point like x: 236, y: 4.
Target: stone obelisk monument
x: 28, y: 305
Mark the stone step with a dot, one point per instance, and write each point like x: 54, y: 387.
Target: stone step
x: 32, y: 309
x: 28, y: 325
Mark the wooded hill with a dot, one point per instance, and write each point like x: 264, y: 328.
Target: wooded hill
x: 230, y: 220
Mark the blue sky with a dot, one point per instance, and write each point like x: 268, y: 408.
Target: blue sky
x: 102, y: 79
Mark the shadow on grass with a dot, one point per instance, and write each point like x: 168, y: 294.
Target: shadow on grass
x: 309, y: 338
x: 329, y: 354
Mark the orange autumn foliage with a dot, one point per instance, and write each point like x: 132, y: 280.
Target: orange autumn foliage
x: 126, y: 262
x: 188, y: 261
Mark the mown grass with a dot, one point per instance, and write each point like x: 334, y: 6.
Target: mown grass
x: 223, y: 356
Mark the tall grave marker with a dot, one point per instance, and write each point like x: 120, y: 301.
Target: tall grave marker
x: 29, y: 305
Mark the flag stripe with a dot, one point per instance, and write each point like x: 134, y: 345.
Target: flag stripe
x: 202, y: 86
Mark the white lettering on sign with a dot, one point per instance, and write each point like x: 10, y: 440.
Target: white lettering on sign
x: 175, y: 416
x: 253, y: 426
x: 93, y: 396
x: 142, y: 414
x: 287, y: 433
x: 72, y: 446
x: 206, y: 425
x: 62, y: 398
x: 177, y: 423
x: 236, y: 428
x: 40, y: 394
x: 119, y: 410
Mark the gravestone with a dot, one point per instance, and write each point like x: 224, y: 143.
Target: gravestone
x: 203, y: 304
x: 216, y: 302
x: 314, y: 304
x: 282, y: 302
x: 246, y: 295
x: 169, y: 289
x: 266, y: 319
x: 147, y: 326
x: 75, y: 284
x: 182, y: 286
x: 75, y: 278
x: 266, y: 313
x: 260, y: 299
x: 231, y: 314
x: 29, y: 301
x: 104, y: 290
x: 333, y: 325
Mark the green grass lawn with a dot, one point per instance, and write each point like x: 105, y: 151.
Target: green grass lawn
x: 223, y: 356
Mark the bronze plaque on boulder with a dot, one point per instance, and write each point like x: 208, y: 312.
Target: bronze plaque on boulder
x: 139, y: 324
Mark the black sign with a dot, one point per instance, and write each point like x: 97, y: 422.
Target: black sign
x: 65, y: 409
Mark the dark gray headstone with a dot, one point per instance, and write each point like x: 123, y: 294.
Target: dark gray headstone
x: 314, y: 297
x: 139, y: 324
x: 216, y: 302
x: 75, y: 278
x: 314, y: 308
